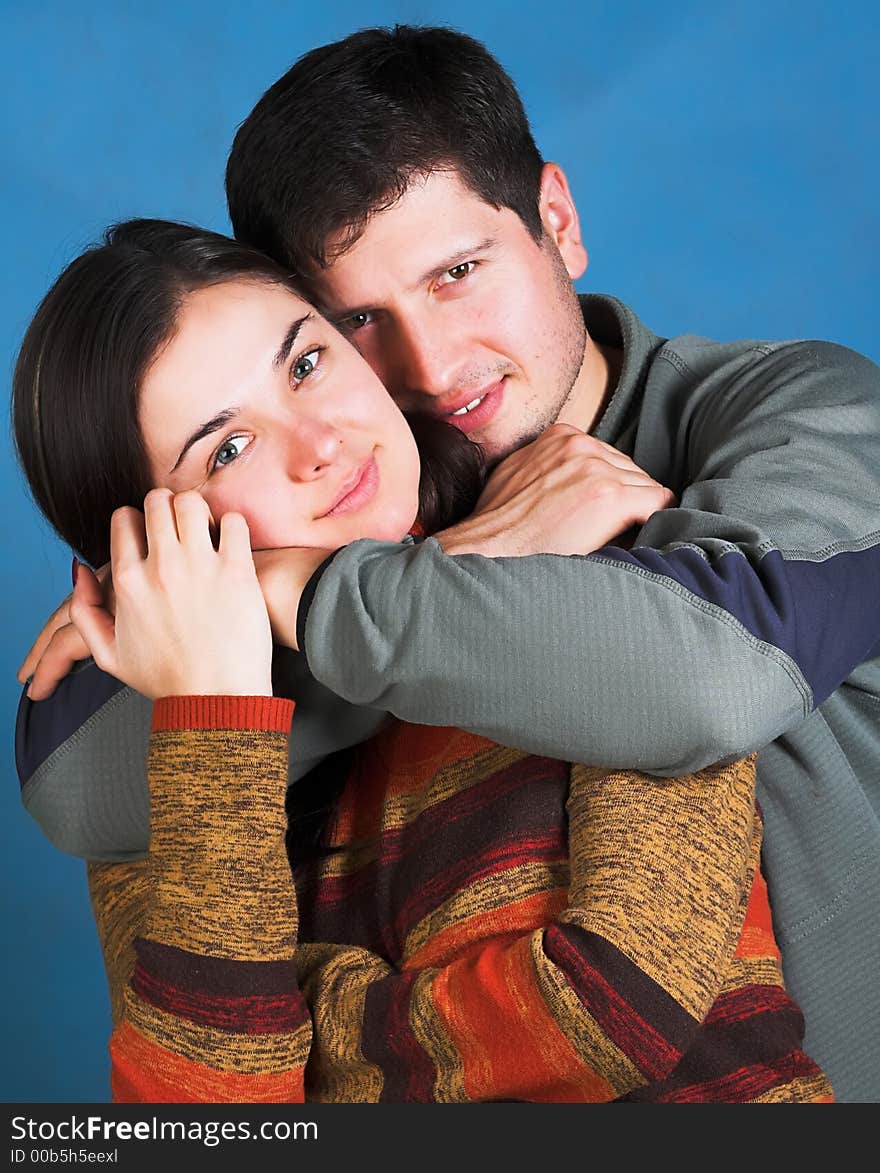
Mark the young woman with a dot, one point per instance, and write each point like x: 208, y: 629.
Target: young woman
x: 450, y: 920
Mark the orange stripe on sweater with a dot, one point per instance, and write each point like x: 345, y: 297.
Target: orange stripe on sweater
x: 757, y: 938
x: 517, y: 918
x: 407, y: 757
x: 510, y: 1045
x: 144, y: 1073
x: 272, y: 714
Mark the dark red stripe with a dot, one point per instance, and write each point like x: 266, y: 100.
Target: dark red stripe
x: 748, y: 1001
x: 247, y: 1014
x: 214, y: 975
x: 743, y: 1085
x: 749, y: 1044
x: 638, y: 1015
x: 388, y: 1041
x: 515, y: 817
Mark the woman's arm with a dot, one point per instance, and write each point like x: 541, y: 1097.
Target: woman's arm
x: 212, y: 1010
x: 602, y: 1002
x: 610, y: 998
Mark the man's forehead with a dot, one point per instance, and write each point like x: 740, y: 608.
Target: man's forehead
x: 437, y: 223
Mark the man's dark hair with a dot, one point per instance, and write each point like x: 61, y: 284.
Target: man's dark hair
x: 344, y: 132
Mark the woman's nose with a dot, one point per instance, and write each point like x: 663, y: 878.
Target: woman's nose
x: 312, y: 448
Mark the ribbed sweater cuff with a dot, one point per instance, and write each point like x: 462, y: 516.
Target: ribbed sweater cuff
x: 272, y: 714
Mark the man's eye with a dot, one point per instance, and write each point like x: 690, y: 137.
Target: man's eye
x: 230, y: 450
x: 355, y: 322
x: 457, y: 272
x: 304, y: 365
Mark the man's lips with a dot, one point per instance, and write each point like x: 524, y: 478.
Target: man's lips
x: 357, y: 491
x: 473, y: 410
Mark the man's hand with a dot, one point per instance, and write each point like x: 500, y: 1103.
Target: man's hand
x: 565, y: 493
x: 59, y: 645
x: 283, y: 576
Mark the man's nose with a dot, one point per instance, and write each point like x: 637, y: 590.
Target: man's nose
x: 424, y: 360
x: 312, y: 447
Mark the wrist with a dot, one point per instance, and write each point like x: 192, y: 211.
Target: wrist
x: 472, y: 536
x: 283, y: 576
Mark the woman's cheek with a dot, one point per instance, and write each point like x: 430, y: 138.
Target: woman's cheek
x: 252, y: 510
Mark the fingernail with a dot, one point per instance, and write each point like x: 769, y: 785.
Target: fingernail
x: 74, y: 569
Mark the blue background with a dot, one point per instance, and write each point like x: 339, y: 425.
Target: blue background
x: 724, y: 159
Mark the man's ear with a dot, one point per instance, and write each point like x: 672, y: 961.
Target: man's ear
x: 560, y: 219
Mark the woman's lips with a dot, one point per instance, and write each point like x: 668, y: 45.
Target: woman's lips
x: 479, y: 416
x: 359, y: 491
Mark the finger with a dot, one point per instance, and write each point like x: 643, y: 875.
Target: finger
x: 644, y: 501
x: 62, y: 652
x: 584, y: 442
x: 193, y: 519
x: 60, y: 617
x: 87, y: 587
x: 235, y: 537
x: 128, y: 538
x: 160, y: 521
x: 589, y: 446
x: 93, y: 621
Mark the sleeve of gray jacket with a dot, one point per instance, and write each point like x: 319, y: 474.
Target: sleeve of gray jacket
x: 730, y: 619
x: 81, y: 754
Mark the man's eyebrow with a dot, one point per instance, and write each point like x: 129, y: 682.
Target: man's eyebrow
x: 223, y: 417
x: 338, y: 316
x: 457, y: 258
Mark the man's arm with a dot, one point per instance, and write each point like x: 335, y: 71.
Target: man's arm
x: 730, y: 618
x: 81, y: 754
x: 81, y: 751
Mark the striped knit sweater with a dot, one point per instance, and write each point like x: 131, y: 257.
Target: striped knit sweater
x: 495, y: 927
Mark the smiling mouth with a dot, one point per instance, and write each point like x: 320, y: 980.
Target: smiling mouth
x: 474, y: 415
x: 358, y: 491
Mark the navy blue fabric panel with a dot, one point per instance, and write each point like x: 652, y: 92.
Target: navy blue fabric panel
x: 824, y: 615
x: 41, y: 726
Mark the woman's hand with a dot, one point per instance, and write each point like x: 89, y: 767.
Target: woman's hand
x: 565, y: 493
x: 190, y: 619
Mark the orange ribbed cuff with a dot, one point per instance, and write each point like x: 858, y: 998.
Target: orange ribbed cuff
x: 272, y: 714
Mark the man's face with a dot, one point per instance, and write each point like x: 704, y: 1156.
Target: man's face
x: 462, y: 314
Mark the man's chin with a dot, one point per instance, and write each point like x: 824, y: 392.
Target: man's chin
x: 498, y: 448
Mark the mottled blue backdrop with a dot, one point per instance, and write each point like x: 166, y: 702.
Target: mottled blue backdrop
x: 724, y: 159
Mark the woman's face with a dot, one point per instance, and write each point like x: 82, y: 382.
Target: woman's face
x: 261, y: 405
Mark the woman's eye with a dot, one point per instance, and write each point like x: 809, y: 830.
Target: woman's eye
x: 304, y: 365
x: 230, y: 450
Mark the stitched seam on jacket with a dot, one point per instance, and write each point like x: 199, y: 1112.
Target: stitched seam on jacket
x: 32, y: 785
x: 675, y: 359
x: 714, y: 611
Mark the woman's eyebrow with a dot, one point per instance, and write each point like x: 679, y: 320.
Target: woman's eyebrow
x: 289, y: 338
x: 212, y: 425
x: 223, y: 417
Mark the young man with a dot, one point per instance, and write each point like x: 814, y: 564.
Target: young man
x: 396, y: 172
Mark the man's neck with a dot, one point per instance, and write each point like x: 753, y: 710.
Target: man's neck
x: 594, y: 386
